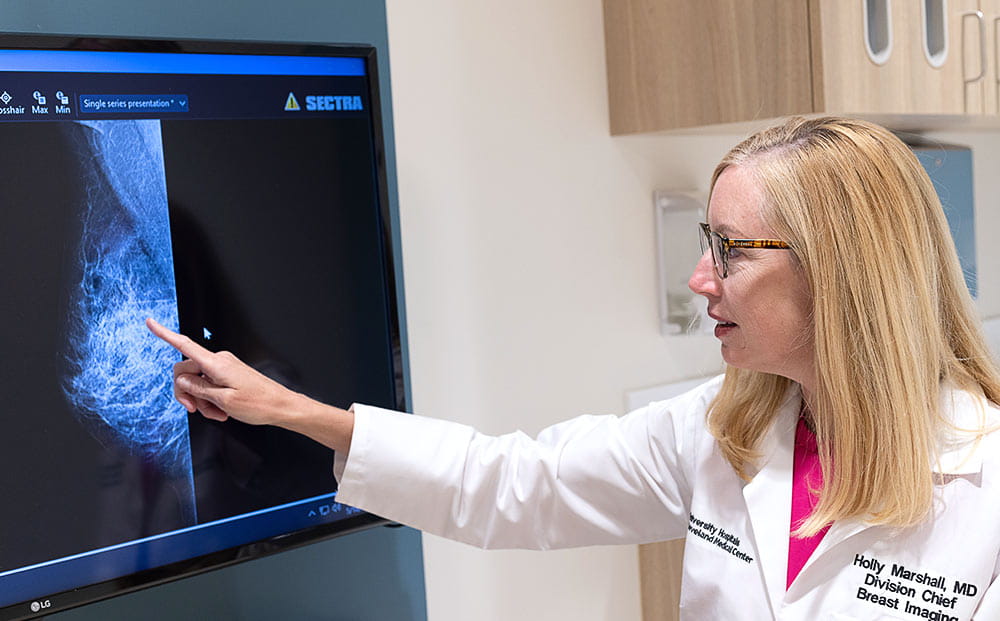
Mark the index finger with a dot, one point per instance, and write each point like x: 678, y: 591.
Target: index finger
x: 187, y: 347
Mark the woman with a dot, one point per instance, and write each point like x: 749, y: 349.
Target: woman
x: 843, y: 466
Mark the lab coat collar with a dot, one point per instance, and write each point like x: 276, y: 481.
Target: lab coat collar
x: 769, y: 497
x: 965, y: 413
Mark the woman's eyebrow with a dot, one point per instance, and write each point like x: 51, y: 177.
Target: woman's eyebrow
x: 727, y: 231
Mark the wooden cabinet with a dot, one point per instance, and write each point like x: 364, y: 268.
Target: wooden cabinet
x: 687, y: 63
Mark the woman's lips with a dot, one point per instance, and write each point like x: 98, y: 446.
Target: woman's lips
x: 722, y: 327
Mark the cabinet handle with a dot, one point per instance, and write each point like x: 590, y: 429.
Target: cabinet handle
x: 978, y: 15
x: 996, y: 62
x: 935, y: 39
x: 878, y: 30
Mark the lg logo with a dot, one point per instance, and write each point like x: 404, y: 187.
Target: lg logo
x: 37, y: 606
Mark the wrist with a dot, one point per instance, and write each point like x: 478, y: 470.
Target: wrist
x: 293, y: 410
x: 326, y: 424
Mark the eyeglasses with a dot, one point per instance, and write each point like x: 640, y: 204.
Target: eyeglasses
x: 721, y: 246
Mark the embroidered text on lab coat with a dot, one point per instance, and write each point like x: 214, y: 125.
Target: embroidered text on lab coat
x: 919, y: 593
x: 718, y: 536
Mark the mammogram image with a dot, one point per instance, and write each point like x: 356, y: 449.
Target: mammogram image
x: 117, y: 379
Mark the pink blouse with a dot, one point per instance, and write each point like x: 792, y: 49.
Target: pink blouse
x: 806, y: 475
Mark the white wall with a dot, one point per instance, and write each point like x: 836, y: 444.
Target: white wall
x: 527, y: 254
x: 528, y: 259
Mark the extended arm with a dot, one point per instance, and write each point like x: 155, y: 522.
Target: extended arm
x: 590, y: 480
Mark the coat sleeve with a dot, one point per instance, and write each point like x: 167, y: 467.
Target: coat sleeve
x: 591, y: 480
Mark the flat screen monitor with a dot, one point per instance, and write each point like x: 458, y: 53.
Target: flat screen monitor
x: 235, y: 191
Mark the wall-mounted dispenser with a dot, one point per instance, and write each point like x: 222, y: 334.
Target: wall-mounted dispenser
x: 677, y: 251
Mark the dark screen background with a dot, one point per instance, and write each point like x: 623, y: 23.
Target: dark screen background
x: 277, y: 253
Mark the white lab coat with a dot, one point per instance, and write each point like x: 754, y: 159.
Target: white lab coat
x: 656, y: 474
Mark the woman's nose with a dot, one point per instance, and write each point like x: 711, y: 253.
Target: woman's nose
x: 704, y: 280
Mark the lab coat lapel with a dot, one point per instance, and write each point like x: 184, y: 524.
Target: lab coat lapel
x: 840, y: 531
x: 769, y: 500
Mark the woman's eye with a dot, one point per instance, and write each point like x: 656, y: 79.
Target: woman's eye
x: 733, y: 253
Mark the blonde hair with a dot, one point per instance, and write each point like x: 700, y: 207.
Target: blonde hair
x: 892, y: 317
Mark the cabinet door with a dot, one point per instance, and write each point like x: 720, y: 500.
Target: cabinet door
x: 948, y: 60
x: 861, y: 65
x: 931, y: 48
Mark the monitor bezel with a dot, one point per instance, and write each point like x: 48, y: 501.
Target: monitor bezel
x: 130, y: 583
